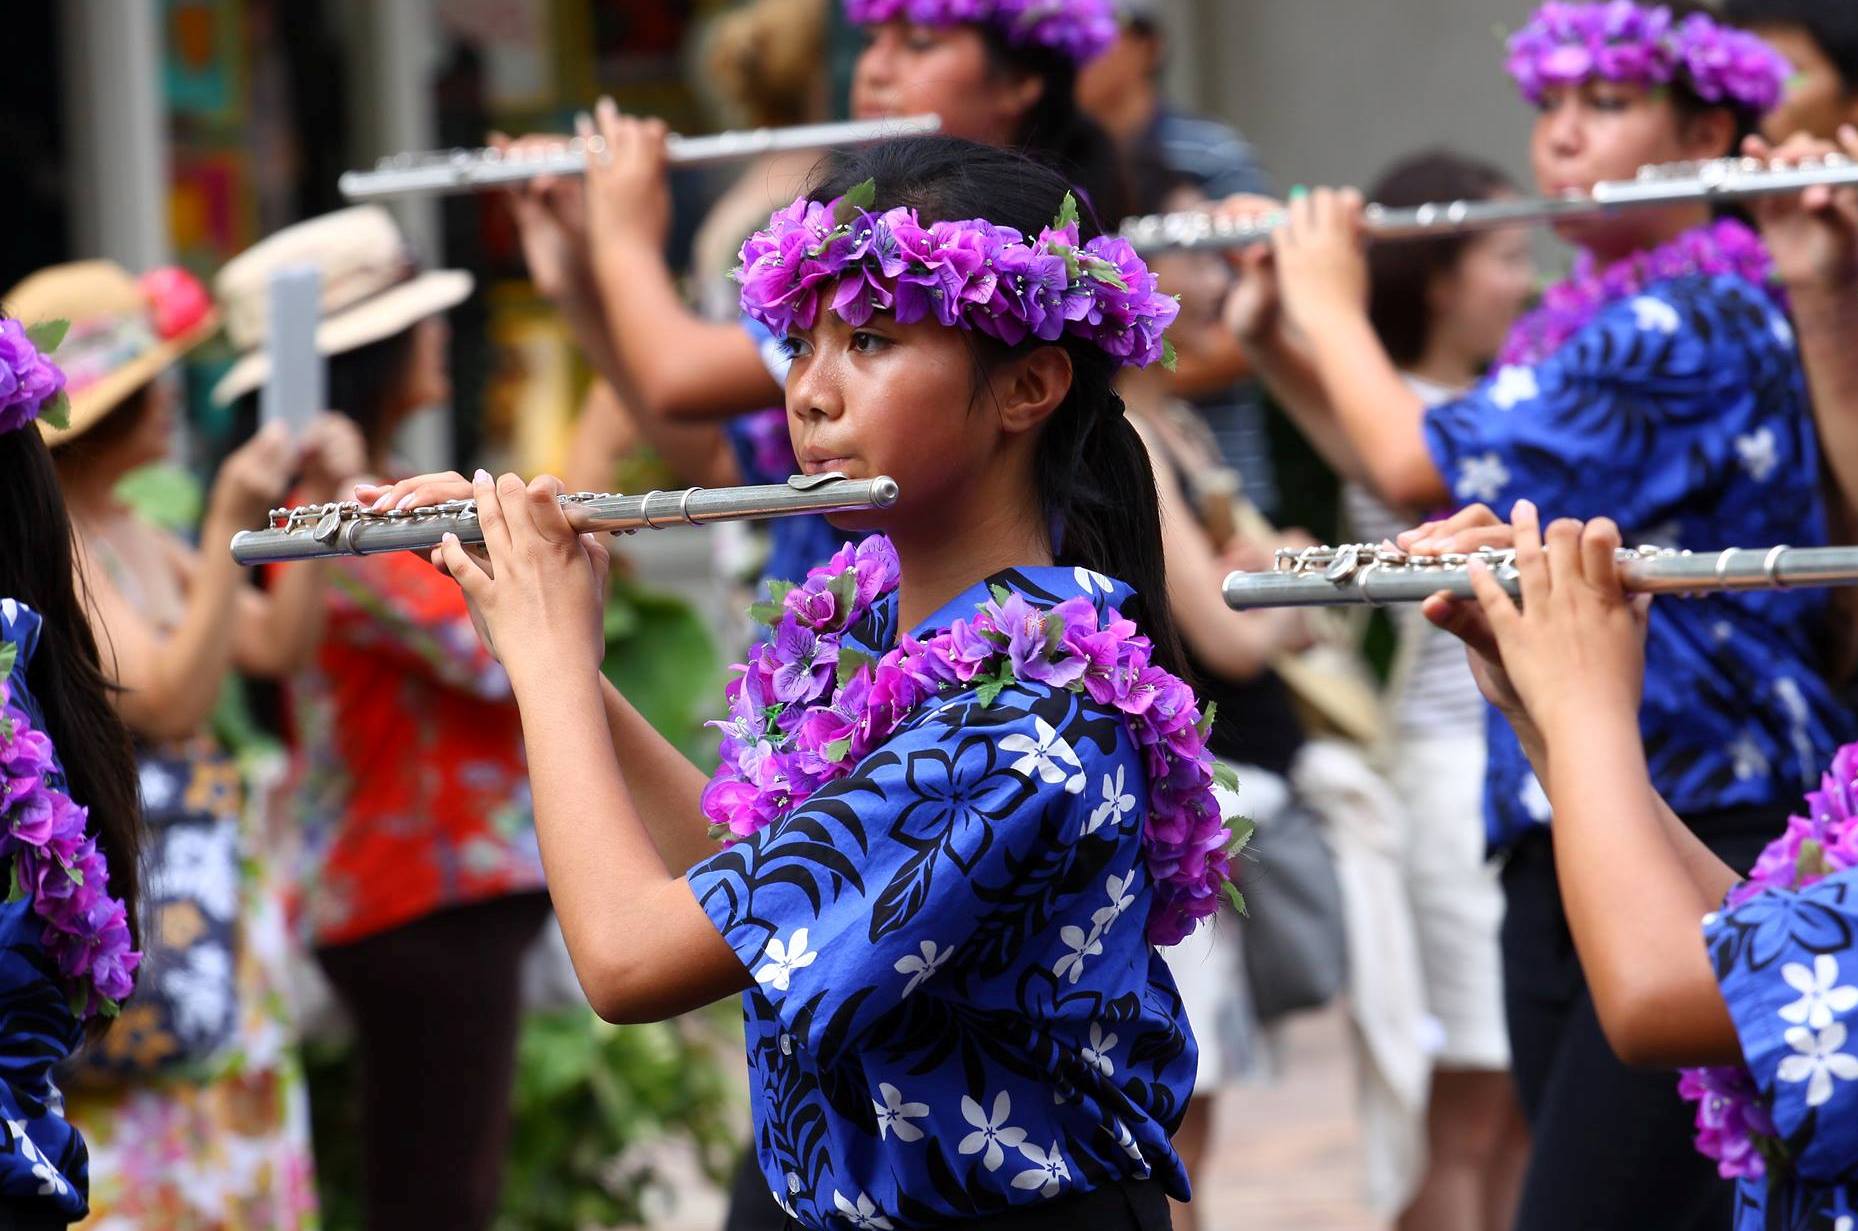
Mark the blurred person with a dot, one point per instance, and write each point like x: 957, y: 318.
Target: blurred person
x: 1442, y: 308
x: 68, y: 946
x: 1122, y: 90
x: 1659, y: 384
x: 194, y: 1106
x: 1820, y: 41
x: 420, y: 886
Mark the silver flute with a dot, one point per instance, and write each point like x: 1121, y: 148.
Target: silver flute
x: 444, y: 172
x: 1363, y: 573
x: 1723, y: 179
x: 321, y: 531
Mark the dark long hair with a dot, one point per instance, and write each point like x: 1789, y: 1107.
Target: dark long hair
x: 1400, y: 274
x: 1096, y: 489
x: 1056, y: 131
x: 66, y: 675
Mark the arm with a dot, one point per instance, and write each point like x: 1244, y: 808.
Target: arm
x: 665, y: 785
x: 607, y: 430
x: 1569, y: 664
x: 642, y: 946
x: 1325, y: 285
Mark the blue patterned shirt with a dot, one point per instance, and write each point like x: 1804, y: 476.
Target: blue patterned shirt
x: 44, y: 1167
x: 1681, y: 414
x: 956, y: 1010
x: 1788, y: 966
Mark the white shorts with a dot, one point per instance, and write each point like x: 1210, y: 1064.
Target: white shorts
x: 1456, y: 898
x: 1209, y: 970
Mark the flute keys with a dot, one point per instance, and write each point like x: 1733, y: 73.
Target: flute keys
x: 329, y: 525
x: 1346, y: 562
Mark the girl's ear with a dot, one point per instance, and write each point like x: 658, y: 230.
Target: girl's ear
x: 1030, y: 389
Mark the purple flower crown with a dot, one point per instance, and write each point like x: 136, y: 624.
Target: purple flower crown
x: 57, y: 865
x: 1079, y: 30
x: 1565, y: 44
x: 972, y: 274
x: 31, y: 385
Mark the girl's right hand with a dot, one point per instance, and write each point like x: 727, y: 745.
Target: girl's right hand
x: 551, y: 221
x: 1812, y: 235
x: 254, y: 478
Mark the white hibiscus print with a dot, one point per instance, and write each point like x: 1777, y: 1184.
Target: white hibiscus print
x: 1482, y: 478
x: 1046, y: 756
x: 1748, y: 759
x: 894, y: 1115
x: 1097, y: 1055
x: 1783, y: 333
x: 199, y: 985
x: 200, y: 863
x: 51, y: 1184
x: 1819, y: 1061
x: 1120, y: 900
x: 990, y: 1132
x: 1514, y: 384
x: 1091, y: 582
x: 921, y: 967
x: 862, y: 1212
x: 1821, y: 999
x: 156, y: 786
x: 1082, y: 946
x: 784, y: 959
x: 1048, y: 1171
x: 1117, y: 803
x: 1756, y: 451
x: 1655, y: 315
x: 1125, y: 1140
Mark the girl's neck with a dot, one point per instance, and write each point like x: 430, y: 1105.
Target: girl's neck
x: 940, y: 560
x: 1447, y: 364
x: 1145, y: 391
x: 1659, y: 229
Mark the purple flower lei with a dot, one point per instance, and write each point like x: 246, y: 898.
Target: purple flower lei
x: 972, y: 274
x: 1734, y: 1126
x: 1079, y: 30
x: 1565, y: 44
x: 31, y: 385
x: 59, y: 867
x: 804, y: 710
x: 1567, y: 307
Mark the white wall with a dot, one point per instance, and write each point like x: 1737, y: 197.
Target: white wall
x: 1332, y: 91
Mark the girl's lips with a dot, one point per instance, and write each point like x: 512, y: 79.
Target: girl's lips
x: 822, y: 465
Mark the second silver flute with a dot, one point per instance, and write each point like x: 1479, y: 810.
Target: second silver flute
x: 1725, y: 179
x: 321, y: 531
x: 441, y: 172
x: 1365, y: 574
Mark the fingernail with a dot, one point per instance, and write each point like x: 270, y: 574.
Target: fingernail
x: 607, y: 106
x: 407, y: 501
x: 1298, y: 192
x: 482, y: 476
x: 386, y: 499
x: 1523, y: 506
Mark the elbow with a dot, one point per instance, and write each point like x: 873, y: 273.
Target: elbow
x: 620, y: 995
x: 1407, y: 480
x: 1647, y: 1019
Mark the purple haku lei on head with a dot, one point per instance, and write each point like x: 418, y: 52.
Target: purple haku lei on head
x: 1734, y: 1125
x: 29, y: 382
x: 791, y: 729
x: 1565, y: 44
x: 1567, y: 307
x: 972, y: 274
x: 56, y: 864
x: 1078, y: 30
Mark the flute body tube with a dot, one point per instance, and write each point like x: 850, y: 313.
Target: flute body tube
x: 1362, y: 574
x: 1724, y: 179
x: 444, y: 172
x: 323, y: 531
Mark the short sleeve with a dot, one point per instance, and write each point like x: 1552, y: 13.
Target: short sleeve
x: 1788, y: 966
x: 421, y: 616
x: 878, y: 883
x: 1603, y: 426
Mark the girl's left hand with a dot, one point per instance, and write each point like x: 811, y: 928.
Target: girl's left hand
x: 628, y: 195
x: 1576, y: 646
x: 1321, y: 268
x: 537, y: 590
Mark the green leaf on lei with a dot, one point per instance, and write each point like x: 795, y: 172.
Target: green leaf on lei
x: 860, y: 197
x: 1811, y: 865
x: 719, y: 833
x: 1204, y: 728
x: 47, y: 336
x: 766, y: 612
x: 1241, y: 829
x: 844, y: 588
x: 1224, y: 775
x: 850, y: 661
x: 1235, y: 897
x: 1054, y: 636
x: 838, y: 750
x: 9, y: 654
x: 108, y: 1007
x: 1000, y: 593
x: 1170, y: 359
x: 1105, y: 272
x: 16, y: 889
x: 989, y: 689
x: 57, y: 411
x: 1067, y: 213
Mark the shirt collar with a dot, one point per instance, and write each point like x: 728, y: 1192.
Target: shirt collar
x: 1042, y: 586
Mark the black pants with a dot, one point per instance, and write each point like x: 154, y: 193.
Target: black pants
x: 437, y: 1004
x: 1612, y: 1145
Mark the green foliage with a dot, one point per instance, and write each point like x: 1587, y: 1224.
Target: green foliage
x: 662, y: 658
x: 165, y: 495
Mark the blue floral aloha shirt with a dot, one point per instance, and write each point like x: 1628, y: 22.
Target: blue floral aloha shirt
x: 1681, y: 414
x: 1788, y: 966
x: 44, y: 1167
x: 956, y: 1010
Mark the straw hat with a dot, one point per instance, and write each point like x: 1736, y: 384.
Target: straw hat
x: 372, y: 289
x: 124, y: 330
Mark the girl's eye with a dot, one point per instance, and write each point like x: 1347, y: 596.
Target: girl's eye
x: 866, y: 343
x: 795, y: 348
